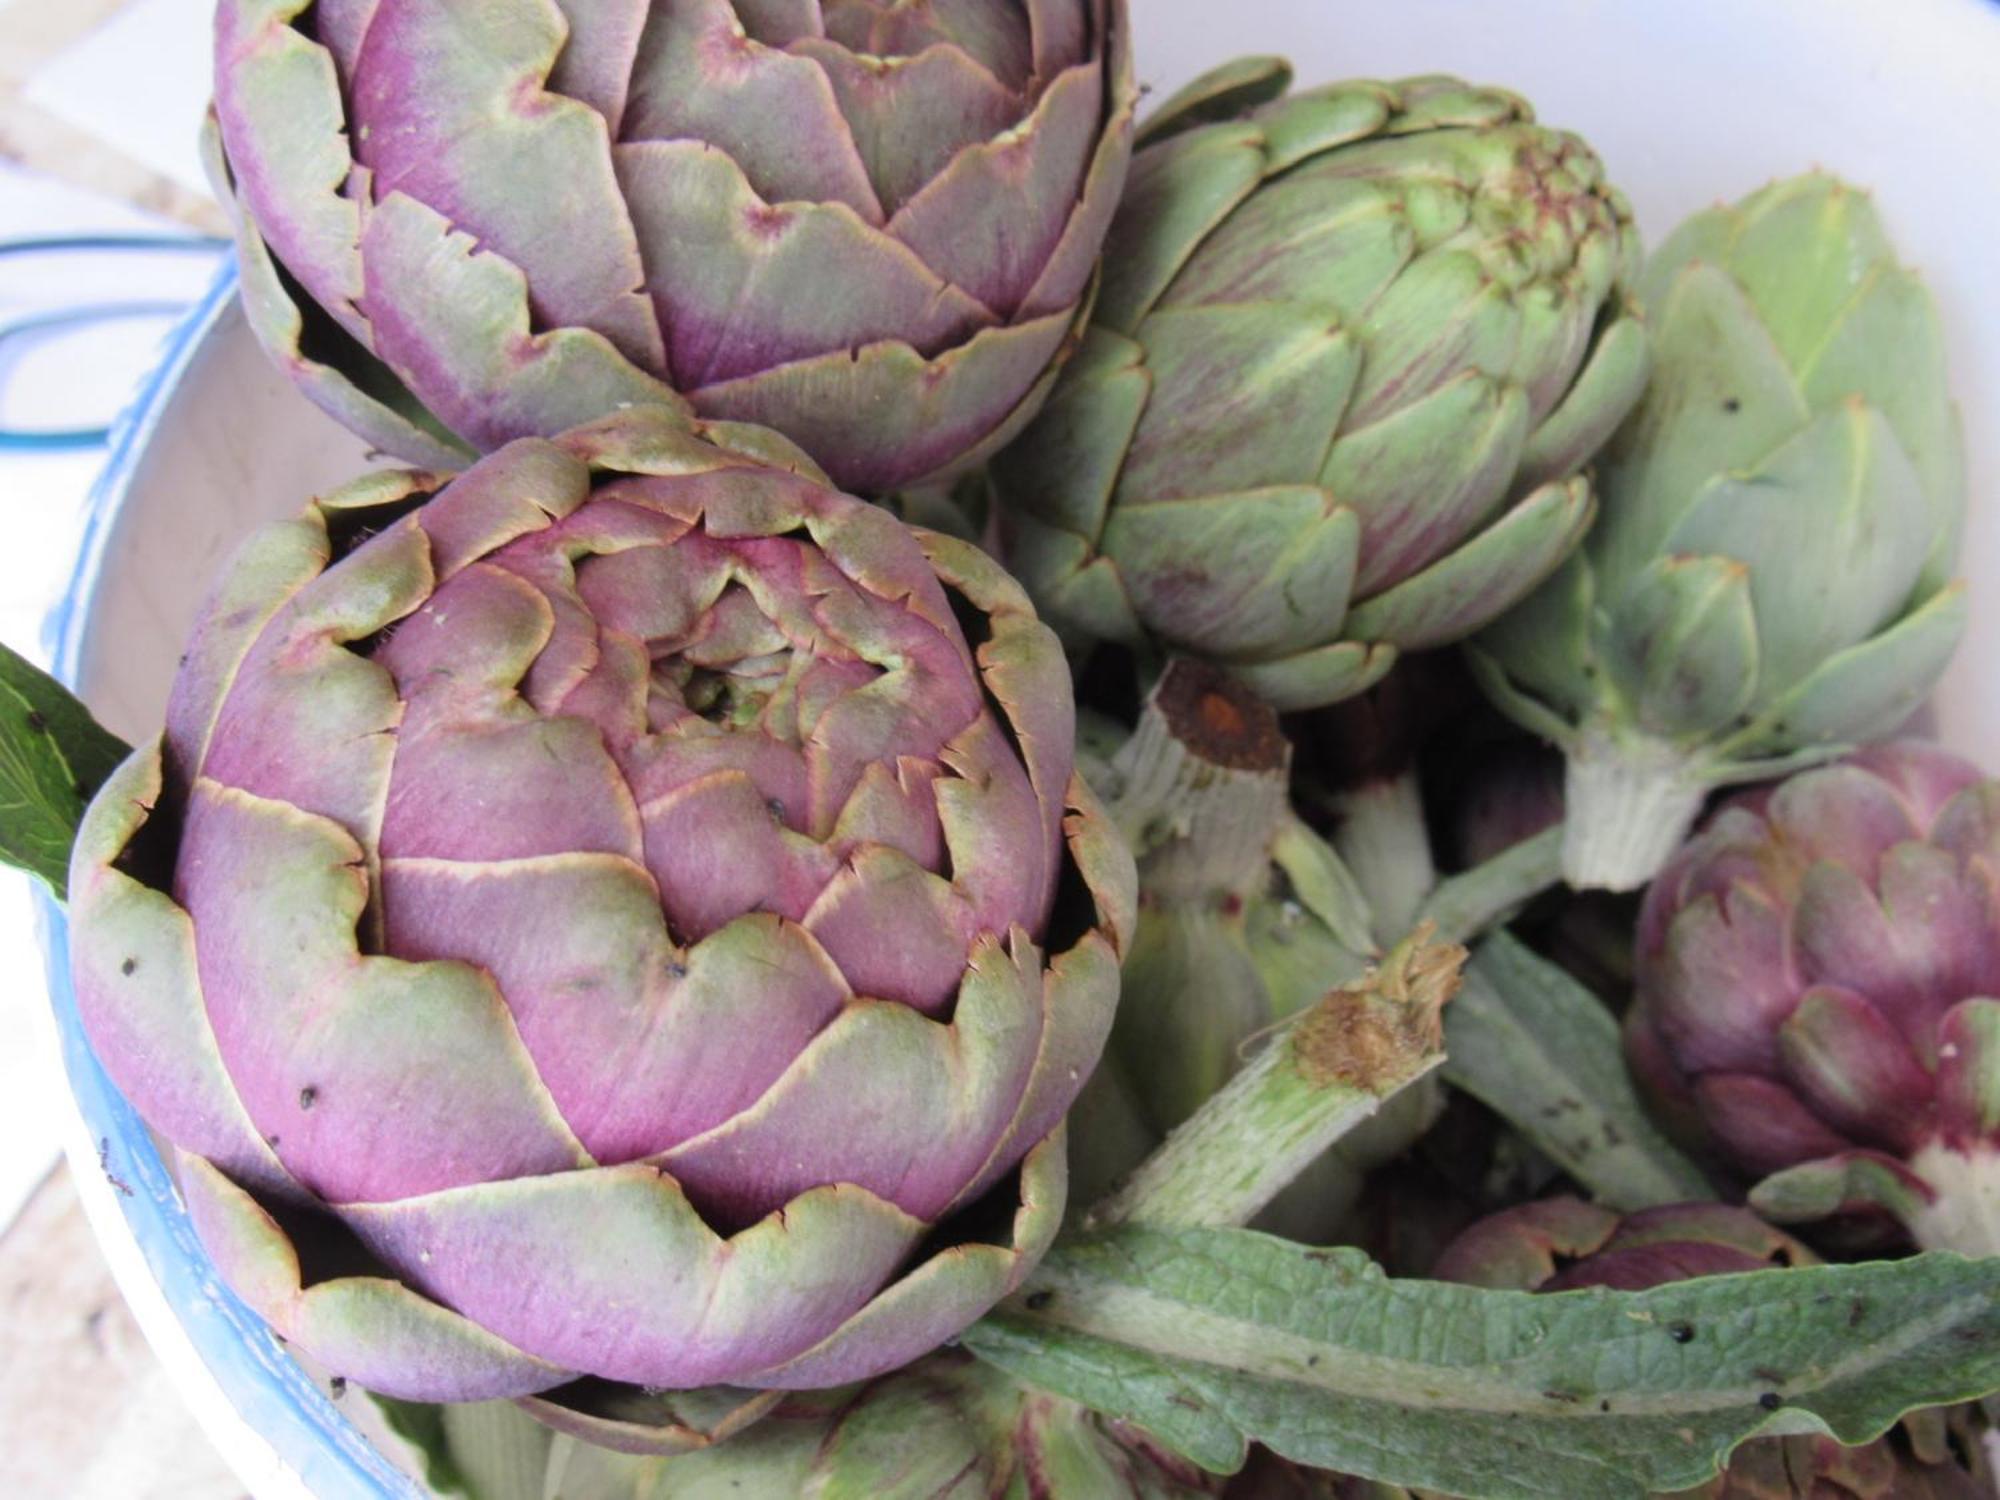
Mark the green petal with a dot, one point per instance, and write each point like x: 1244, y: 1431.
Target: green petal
x: 1833, y: 527
x: 1222, y: 93
x: 1247, y: 575
x: 1681, y: 646
x: 1469, y: 588
x: 1721, y: 398
x: 1315, y: 678
x: 1176, y: 194
x: 1866, y: 690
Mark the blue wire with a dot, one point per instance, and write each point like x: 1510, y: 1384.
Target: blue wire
x: 56, y: 439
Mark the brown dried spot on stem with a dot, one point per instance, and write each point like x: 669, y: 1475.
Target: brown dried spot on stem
x: 1378, y: 1032
x: 1218, y: 719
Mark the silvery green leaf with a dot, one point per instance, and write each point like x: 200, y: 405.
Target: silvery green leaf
x: 1212, y: 1339
x: 1543, y: 1052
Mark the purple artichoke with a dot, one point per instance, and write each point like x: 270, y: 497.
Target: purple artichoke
x: 868, y: 224
x: 603, y: 919
x: 1816, y: 981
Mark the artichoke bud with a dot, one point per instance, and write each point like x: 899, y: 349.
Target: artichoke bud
x: 873, y: 228
x: 1769, y: 579
x: 613, y: 862
x: 1352, y: 346
x: 1817, y: 977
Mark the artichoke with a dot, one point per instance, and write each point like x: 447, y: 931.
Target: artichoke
x: 870, y: 225
x: 600, y: 916
x: 1352, y: 347
x: 1817, y: 973
x: 1769, y: 577
x: 1560, y: 1244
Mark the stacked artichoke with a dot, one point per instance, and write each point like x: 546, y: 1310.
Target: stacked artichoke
x: 620, y: 929
x: 444, y: 954
x: 869, y: 225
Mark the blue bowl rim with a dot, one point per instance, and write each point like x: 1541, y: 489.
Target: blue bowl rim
x: 272, y: 1393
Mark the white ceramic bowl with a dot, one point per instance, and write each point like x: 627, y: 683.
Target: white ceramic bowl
x: 1688, y: 102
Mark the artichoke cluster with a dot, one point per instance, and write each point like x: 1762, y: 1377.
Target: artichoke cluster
x: 622, y: 925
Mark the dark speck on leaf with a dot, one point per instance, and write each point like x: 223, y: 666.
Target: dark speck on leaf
x: 308, y: 1096
x: 1604, y: 1405
x: 128, y: 967
x: 677, y: 971
x: 1770, y: 1401
x: 1731, y: 404
x: 36, y: 722
x: 1856, y: 1311
x: 337, y: 1387
x: 1683, y: 1333
x: 1039, y: 1300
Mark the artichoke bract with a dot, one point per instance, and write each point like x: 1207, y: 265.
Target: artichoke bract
x: 869, y: 225
x: 948, y: 1427
x: 1769, y: 580
x: 1819, y: 992
x: 604, y: 920
x: 1352, y: 347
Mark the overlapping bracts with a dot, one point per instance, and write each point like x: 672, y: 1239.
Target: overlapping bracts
x: 614, y: 892
x: 870, y: 225
x: 1819, y: 983
x: 1354, y: 345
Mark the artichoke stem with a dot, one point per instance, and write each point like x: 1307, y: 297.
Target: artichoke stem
x: 1965, y: 1213
x: 1382, y: 838
x: 1325, y: 1071
x: 1465, y: 905
x: 1629, y: 802
x: 1203, y: 785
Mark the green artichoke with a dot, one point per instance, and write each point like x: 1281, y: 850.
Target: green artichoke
x: 600, y: 915
x: 1352, y: 347
x: 1769, y: 579
x: 869, y: 224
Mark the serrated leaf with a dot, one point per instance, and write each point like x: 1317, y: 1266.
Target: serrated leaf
x: 1541, y: 1051
x: 53, y: 757
x: 1212, y: 1339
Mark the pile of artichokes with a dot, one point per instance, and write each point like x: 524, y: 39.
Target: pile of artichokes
x: 681, y: 982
